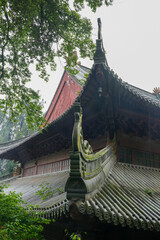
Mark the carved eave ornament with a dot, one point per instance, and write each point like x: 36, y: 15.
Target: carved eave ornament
x: 156, y: 91
x: 88, y: 169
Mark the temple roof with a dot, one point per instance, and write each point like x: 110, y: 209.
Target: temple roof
x: 29, y: 186
x: 4, y: 147
x: 67, y: 91
x: 101, y: 78
x: 82, y: 70
x: 98, y: 185
x: 123, y: 88
x: 140, y: 93
x: 129, y: 196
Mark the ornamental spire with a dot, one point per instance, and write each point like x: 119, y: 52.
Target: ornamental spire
x: 99, y: 28
x: 99, y: 56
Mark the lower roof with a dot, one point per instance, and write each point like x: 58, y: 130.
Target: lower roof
x: 129, y: 196
x: 29, y: 186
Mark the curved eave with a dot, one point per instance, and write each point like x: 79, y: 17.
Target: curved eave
x: 134, y: 92
x: 52, y: 205
x: 9, y: 149
x: 129, y: 196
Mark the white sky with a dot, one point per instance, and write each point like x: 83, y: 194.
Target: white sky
x: 131, y: 37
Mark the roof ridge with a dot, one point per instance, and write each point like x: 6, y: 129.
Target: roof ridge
x: 138, y: 166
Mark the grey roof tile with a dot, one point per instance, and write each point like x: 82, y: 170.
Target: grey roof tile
x: 141, y: 93
x: 81, y: 73
x: 4, y: 147
x: 28, y: 186
x: 129, y: 196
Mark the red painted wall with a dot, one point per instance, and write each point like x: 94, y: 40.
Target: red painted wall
x: 58, y: 161
x: 64, y: 97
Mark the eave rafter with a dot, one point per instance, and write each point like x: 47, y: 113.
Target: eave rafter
x: 137, y: 123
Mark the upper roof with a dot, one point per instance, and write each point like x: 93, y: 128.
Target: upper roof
x: 108, y: 81
x: 140, y: 93
x: 66, y: 93
x: 82, y: 71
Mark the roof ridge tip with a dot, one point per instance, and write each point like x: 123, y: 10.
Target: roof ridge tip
x: 99, y: 56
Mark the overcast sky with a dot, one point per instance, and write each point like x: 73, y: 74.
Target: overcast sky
x: 131, y: 37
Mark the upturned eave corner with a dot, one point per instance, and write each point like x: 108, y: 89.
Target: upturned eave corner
x: 88, y: 170
x: 75, y: 186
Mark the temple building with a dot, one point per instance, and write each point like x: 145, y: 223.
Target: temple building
x: 100, y: 156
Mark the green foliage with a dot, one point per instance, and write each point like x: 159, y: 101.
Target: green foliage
x: 10, y: 131
x: 149, y: 191
x: 37, y: 31
x: 16, y: 222
x: 59, y: 190
x: 7, y: 167
x: 93, y: 4
x: 75, y: 235
x: 46, y: 190
x: 83, y: 80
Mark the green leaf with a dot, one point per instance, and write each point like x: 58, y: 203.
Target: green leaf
x: 38, y: 31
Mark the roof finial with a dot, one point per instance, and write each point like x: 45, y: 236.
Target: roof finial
x: 99, y: 56
x: 99, y: 28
